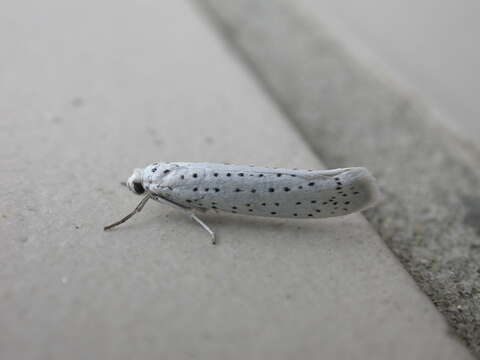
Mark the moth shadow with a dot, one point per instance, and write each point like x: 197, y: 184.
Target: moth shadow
x: 260, y: 227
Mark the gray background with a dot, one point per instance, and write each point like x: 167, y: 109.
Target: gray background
x: 91, y: 90
x: 430, y: 47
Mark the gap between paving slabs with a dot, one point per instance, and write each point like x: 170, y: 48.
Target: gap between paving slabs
x: 430, y: 216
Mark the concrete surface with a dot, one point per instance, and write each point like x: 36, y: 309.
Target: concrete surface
x: 92, y: 89
x: 350, y: 114
x: 429, y: 46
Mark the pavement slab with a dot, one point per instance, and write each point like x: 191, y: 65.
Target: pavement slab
x: 351, y: 112
x: 93, y: 89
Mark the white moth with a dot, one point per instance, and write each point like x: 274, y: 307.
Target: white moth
x: 252, y: 190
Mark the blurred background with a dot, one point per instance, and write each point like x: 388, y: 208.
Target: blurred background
x: 429, y: 46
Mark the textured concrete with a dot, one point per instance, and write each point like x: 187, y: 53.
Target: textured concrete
x: 350, y: 114
x: 92, y: 89
x: 427, y: 45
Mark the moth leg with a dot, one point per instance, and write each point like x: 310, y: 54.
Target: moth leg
x: 205, y: 226
x: 136, y: 210
x: 190, y: 213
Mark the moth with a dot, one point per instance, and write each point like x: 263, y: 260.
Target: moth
x: 252, y: 190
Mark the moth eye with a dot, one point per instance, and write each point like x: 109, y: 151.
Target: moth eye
x: 138, y: 188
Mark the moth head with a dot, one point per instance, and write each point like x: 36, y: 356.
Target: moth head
x: 135, y: 182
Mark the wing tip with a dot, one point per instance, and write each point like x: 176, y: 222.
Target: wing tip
x: 364, y: 180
